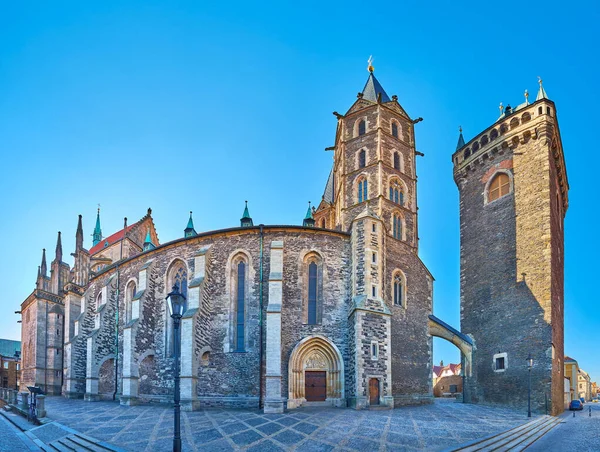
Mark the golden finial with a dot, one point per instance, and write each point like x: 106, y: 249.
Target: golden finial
x: 370, y: 64
x: 540, y: 80
x: 526, y: 97
x: 501, y: 108
x: 460, y: 129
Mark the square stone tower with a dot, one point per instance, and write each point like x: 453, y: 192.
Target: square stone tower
x: 513, y: 198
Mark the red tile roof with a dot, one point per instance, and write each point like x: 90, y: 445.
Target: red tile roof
x: 112, y: 239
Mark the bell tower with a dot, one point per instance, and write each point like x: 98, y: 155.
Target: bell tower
x: 373, y: 166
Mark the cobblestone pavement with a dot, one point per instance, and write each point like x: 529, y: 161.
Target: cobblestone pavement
x: 580, y: 433
x: 11, y: 439
x: 150, y: 428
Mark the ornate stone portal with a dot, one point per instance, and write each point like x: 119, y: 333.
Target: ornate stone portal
x: 316, y: 353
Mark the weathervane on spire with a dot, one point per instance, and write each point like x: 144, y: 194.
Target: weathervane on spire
x: 370, y: 64
x: 540, y: 80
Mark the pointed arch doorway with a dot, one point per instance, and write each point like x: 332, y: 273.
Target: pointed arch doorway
x: 316, y: 373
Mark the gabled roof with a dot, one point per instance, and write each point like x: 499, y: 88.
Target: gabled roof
x: 110, y: 240
x: 438, y: 370
x: 373, y: 89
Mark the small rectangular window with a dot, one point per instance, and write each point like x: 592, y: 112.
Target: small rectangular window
x: 499, y: 363
x: 374, y: 258
x: 374, y: 227
x: 374, y: 350
x: 374, y: 291
x: 453, y: 389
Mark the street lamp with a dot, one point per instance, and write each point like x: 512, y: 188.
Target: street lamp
x: 529, y: 366
x: 176, y: 303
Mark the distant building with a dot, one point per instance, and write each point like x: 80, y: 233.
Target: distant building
x: 447, y: 380
x: 571, y: 371
x: 10, y: 363
x: 584, y: 387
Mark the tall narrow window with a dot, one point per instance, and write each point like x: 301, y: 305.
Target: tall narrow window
x: 312, y: 293
x: 362, y: 190
x: 362, y: 127
x: 396, y: 193
x: 176, y: 276
x: 239, y: 307
x: 398, y: 290
x: 499, y: 187
x: 129, y: 294
x: 397, y: 161
x: 397, y: 227
x: 362, y: 158
x: 394, y: 130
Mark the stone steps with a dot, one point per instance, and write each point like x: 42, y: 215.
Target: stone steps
x: 78, y: 442
x: 515, y: 439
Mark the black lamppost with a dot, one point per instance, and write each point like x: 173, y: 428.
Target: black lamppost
x: 176, y: 302
x: 529, y: 366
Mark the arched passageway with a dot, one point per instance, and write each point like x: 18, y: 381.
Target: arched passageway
x: 316, y: 373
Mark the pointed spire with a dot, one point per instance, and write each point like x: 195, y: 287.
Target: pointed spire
x: 189, y: 231
x: 79, y: 236
x: 309, y: 220
x: 97, y: 235
x: 148, y: 245
x: 541, y: 92
x: 58, y: 254
x: 44, y: 267
x: 39, y: 274
x: 373, y: 90
x: 461, y: 140
x: 246, y: 220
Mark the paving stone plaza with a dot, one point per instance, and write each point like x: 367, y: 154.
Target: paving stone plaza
x: 150, y: 428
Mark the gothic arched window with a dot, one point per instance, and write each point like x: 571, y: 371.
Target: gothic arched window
x: 240, y: 307
x: 313, y: 289
x: 362, y: 127
x: 397, y: 161
x: 499, y: 187
x: 362, y: 158
x: 399, y: 289
x: 394, y: 129
x: 176, y: 276
x: 129, y: 294
x: 397, y: 226
x: 362, y: 190
x: 396, y: 193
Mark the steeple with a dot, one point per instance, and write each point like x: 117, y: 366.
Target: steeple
x: 309, y: 221
x: 373, y: 90
x: 44, y: 267
x: 58, y: 254
x: 541, y: 92
x: 189, y: 231
x: 246, y: 220
x: 461, y: 140
x: 97, y: 235
x: 148, y: 245
x: 79, y: 236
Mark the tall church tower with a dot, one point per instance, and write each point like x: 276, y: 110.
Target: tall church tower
x: 373, y: 165
x: 513, y: 199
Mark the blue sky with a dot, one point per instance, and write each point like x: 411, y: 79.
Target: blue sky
x: 198, y: 106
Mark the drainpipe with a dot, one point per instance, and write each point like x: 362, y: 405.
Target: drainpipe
x: 114, y: 397
x: 260, y: 297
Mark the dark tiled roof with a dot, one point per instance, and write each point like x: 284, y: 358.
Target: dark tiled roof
x: 373, y: 88
x: 328, y: 194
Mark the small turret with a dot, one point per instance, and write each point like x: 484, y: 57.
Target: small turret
x: 189, y: 231
x: 246, y: 220
x: 309, y: 220
x: 97, y: 235
x: 79, y: 236
x: 44, y: 267
x: 148, y: 245
x: 541, y: 92
x: 461, y: 140
x: 58, y: 253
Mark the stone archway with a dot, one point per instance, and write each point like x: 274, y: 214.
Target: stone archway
x: 463, y: 342
x: 317, y: 355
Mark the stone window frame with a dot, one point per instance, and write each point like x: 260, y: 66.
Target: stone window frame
x: 395, y: 182
x: 356, y: 127
x: 168, y: 322
x: 509, y: 173
x: 238, y: 257
x: 374, y: 349
x: 498, y: 356
x: 404, y: 299
x: 400, y: 160
x: 399, y: 215
x: 312, y: 256
x: 400, y: 132
x: 360, y: 197
x: 360, y: 164
x: 128, y: 314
